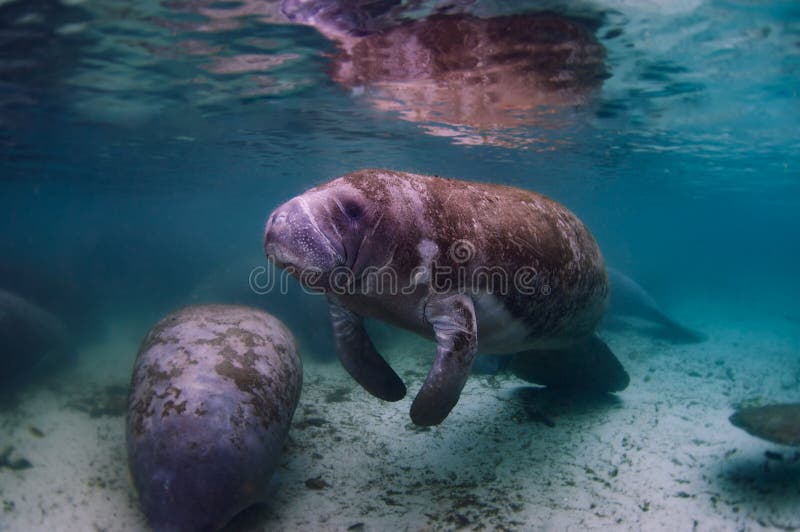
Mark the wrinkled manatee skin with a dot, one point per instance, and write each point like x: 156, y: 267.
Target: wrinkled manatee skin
x: 213, y: 391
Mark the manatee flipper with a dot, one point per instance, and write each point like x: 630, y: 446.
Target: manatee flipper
x: 453, y: 320
x: 359, y: 356
x: 589, y: 366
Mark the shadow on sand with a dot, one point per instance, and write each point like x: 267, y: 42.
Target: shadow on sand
x: 764, y: 487
x: 544, y: 405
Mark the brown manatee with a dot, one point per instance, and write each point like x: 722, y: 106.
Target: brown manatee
x: 213, y: 392
x: 476, y: 267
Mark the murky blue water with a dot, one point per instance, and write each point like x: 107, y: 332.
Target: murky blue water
x: 142, y: 146
x: 134, y: 161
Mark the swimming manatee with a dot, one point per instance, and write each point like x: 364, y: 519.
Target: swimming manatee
x: 213, y: 391
x: 476, y: 267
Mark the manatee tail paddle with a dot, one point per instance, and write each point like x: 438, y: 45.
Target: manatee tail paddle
x: 588, y: 367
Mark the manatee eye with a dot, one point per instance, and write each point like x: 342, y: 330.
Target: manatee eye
x: 353, y: 210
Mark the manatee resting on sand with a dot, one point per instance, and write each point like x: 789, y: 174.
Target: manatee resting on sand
x: 30, y: 338
x: 473, y: 266
x: 778, y: 423
x: 213, y: 391
x: 629, y: 300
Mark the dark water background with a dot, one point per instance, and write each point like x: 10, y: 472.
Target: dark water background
x: 137, y: 167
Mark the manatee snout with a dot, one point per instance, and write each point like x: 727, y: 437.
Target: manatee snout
x: 294, y: 237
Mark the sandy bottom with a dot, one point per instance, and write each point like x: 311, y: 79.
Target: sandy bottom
x: 659, y: 456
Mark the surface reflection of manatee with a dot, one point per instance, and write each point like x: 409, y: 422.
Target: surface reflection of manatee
x: 471, y: 78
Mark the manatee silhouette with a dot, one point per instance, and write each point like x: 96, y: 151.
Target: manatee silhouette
x: 436, y: 238
x: 629, y: 300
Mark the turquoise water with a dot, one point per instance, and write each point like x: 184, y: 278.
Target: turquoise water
x: 131, y: 167
x: 143, y: 145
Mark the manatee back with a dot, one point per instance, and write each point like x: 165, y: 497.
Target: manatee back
x: 213, y: 391
x: 529, y: 249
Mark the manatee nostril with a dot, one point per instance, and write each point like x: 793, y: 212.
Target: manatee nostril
x: 275, y: 220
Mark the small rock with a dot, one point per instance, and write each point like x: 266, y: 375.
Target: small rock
x: 15, y: 465
x: 310, y: 422
x: 317, y: 484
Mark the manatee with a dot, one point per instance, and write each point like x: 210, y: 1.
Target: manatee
x: 629, y: 300
x: 31, y: 339
x: 778, y: 423
x: 213, y: 391
x: 472, y: 266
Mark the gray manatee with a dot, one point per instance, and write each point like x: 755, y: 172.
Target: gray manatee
x: 213, y: 391
x: 778, y: 423
x: 31, y: 338
x: 629, y: 300
x: 476, y: 267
